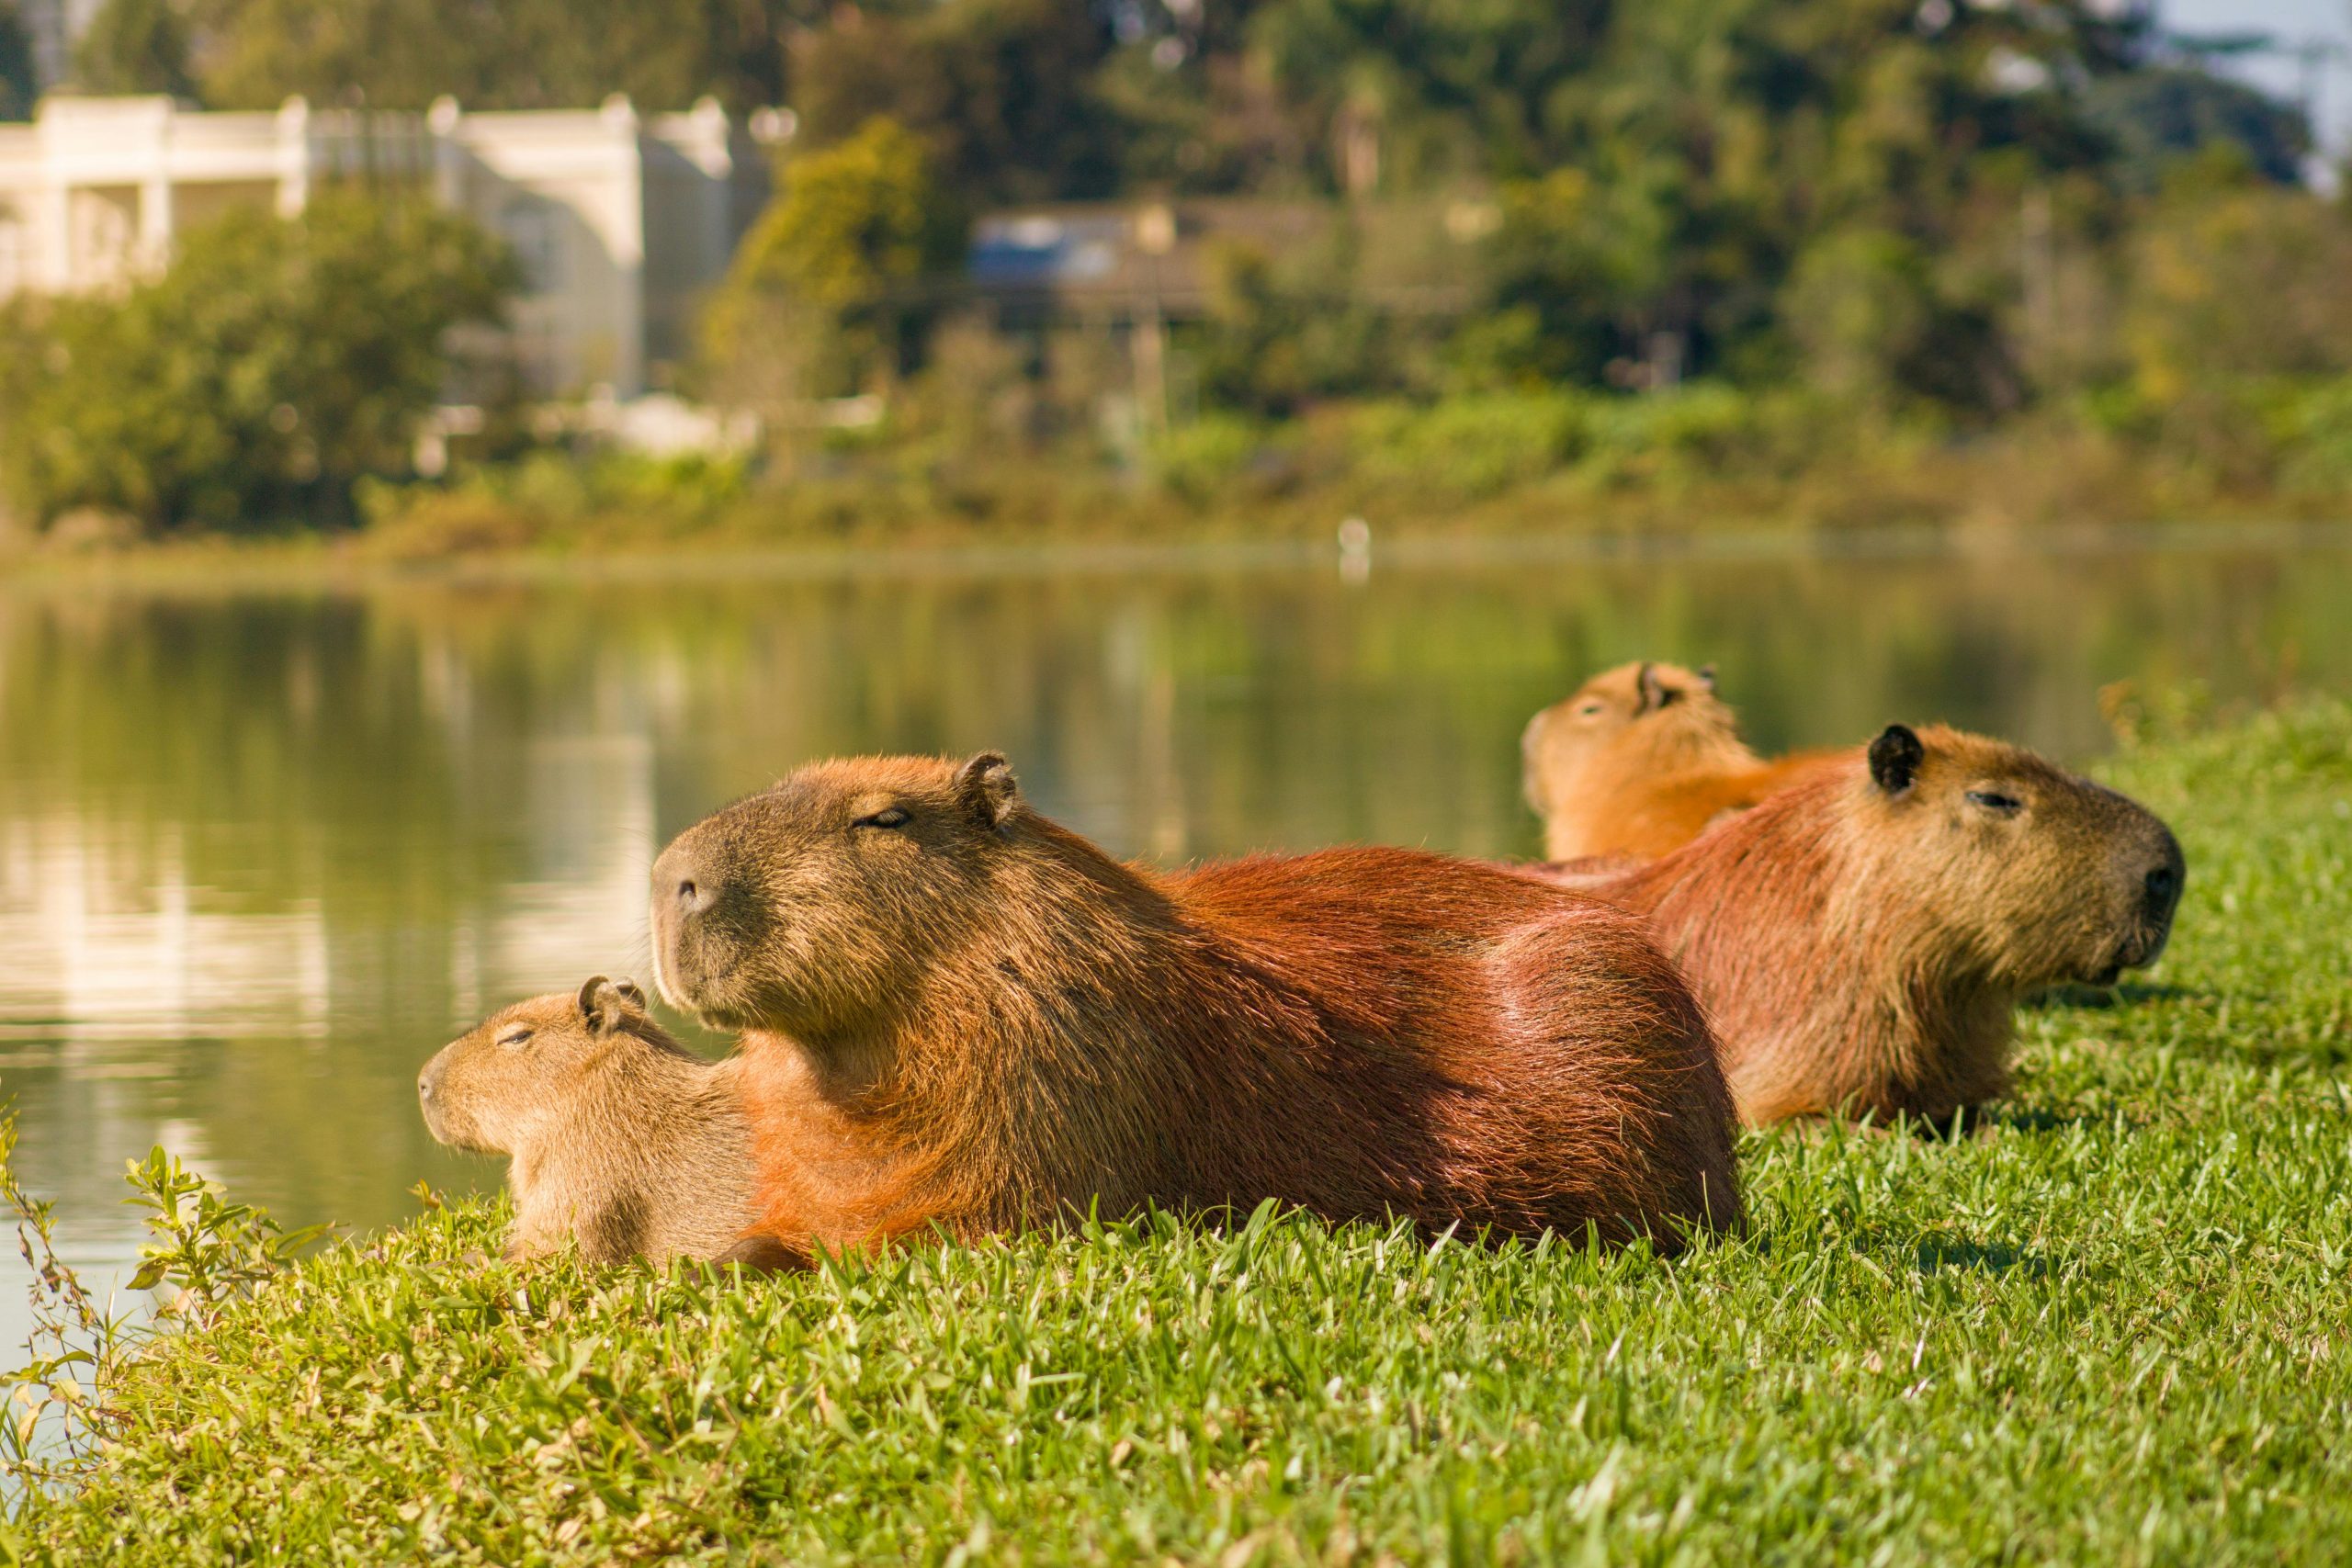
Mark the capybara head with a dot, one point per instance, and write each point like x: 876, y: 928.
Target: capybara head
x: 1684, y: 722
x: 514, y: 1077
x: 817, y: 905
x: 2032, y: 874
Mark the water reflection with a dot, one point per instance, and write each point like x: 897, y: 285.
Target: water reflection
x: 260, y: 852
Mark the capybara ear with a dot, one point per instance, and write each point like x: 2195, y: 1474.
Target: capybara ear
x: 1707, y: 676
x: 1895, y: 756
x: 1656, y: 694
x: 631, y: 993
x: 601, y: 1003
x: 988, y: 789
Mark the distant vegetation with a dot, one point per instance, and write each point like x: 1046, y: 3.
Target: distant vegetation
x: 1907, y: 252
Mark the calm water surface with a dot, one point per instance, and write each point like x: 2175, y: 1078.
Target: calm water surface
x: 262, y: 852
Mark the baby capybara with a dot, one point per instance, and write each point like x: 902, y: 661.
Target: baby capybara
x: 1860, y: 939
x: 960, y: 1015
x: 1640, y: 759
x: 617, y: 1134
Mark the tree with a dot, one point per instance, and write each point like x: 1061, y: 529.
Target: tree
x: 1002, y: 92
x: 835, y: 289
x: 275, y: 364
x: 2158, y: 116
x: 19, y: 83
x: 135, y: 46
x: 512, y: 54
x: 1429, y: 88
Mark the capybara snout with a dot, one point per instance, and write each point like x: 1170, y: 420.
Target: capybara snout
x: 2148, y: 924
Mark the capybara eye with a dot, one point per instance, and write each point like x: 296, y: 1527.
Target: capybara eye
x: 889, y: 817
x: 520, y: 1034
x: 1995, y: 801
x: 1590, y: 709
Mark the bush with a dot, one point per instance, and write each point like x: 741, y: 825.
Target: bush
x: 1472, y: 446
x: 275, y: 364
x: 1202, y: 461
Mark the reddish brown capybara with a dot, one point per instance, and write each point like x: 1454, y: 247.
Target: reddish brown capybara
x: 960, y: 1015
x: 618, y: 1136
x: 1640, y: 759
x: 1860, y: 939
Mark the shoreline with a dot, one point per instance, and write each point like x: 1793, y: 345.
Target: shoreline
x: 225, y: 566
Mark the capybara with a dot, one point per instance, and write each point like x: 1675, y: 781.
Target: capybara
x: 617, y: 1134
x: 961, y: 1016
x: 1640, y: 759
x: 1860, y: 939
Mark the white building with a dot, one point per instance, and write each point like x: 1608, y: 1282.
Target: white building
x: 620, y: 221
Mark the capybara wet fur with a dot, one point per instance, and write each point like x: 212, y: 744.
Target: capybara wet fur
x: 1862, y: 939
x: 959, y: 1015
x: 1640, y: 759
x: 617, y: 1134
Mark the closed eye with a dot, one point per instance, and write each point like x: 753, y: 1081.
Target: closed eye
x: 888, y: 816
x: 518, y: 1036
x: 1994, y: 800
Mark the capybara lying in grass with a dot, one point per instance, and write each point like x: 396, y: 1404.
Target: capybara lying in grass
x: 959, y: 1014
x: 1860, y: 939
x: 1640, y: 759
x: 617, y: 1134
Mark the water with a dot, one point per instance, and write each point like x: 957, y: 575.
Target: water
x: 263, y: 850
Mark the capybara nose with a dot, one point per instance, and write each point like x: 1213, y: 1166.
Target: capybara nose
x: 2164, y: 890
x: 425, y: 1084
x: 694, y: 898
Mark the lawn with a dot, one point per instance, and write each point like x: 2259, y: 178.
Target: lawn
x: 2111, y: 1323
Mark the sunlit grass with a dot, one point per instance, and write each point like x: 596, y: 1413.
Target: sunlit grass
x: 2108, y: 1324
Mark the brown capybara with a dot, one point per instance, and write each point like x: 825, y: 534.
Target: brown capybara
x: 1640, y: 759
x: 959, y: 1015
x: 617, y: 1134
x: 1860, y: 939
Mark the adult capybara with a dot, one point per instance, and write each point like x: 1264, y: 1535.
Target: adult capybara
x: 1640, y: 759
x: 959, y: 1014
x: 1860, y: 939
x: 618, y: 1134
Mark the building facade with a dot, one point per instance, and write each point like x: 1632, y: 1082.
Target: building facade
x: 620, y: 221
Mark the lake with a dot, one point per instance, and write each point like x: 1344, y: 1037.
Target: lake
x: 264, y: 849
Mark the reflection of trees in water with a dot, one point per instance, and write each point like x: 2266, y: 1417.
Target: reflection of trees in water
x: 461, y: 786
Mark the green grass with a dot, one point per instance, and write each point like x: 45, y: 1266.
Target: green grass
x: 2111, y: 1324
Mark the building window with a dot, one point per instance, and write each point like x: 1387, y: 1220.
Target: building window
x: 532, y: 226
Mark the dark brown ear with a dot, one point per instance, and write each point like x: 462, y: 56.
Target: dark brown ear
x: 1656, y: 694
x: 1895, y: 756
x: 1707, y: 676
x: 602, y: 1003
x: 987, y: 790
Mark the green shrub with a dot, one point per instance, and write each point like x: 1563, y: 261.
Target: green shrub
x: 1473, y: 445
x: 275, y: 364
x: 1208, y: 459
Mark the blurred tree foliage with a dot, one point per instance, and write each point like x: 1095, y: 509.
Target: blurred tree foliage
x: 19, y: 85
x: 276, y: 362
x: 833, y: 292
x: 135, y: 46
x: 1003, y: 90
x: 1934, y: 212
x: 493, y: 54
x: 2156, y: 115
